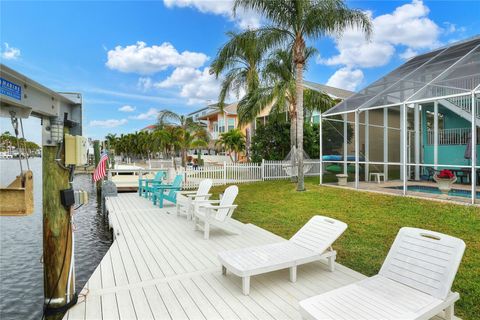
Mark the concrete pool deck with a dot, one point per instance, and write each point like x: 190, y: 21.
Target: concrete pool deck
x: 388, y: 187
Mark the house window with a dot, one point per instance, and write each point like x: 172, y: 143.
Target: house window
x: 430, y: 120
x: 231, y: 124
x: 316, y: 119
x: 221, y: 125
x: 215, y: 127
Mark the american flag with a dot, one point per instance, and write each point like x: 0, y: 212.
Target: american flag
x: 101, y: 169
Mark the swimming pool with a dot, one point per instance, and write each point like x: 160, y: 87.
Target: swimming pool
x: 435, y: 190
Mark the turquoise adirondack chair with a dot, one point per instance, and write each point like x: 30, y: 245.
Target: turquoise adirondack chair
x: 146, y: 186
x: 167, y: 191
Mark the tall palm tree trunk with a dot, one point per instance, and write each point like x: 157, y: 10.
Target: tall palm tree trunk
x: 299, y: 63
x: 184, y: 158
x: 293, y: 141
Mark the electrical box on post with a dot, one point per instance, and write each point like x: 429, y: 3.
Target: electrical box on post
x: 75, y: 150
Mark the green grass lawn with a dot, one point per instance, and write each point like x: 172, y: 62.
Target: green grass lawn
x: 373, y: 222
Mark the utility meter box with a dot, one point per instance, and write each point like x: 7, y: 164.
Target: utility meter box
x: 75, y: 150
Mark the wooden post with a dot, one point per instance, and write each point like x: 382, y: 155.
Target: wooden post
x: 57, y: 235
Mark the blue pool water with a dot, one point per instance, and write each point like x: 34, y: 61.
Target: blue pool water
x: 435, y: 190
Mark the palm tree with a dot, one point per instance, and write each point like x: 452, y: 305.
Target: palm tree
x: 294, y: 22
x: 111, y: 140
x: 279, y: 92
x: 189, y: 134
x: 240, y: 60
x: 233, y: 141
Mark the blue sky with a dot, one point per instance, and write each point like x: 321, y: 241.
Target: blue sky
x: 131, y: 59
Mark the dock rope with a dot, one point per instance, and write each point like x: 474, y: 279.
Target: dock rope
x: 14, y: 120
x: 25, y: 145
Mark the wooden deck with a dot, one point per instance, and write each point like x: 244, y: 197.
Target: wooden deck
x: 158, y: 267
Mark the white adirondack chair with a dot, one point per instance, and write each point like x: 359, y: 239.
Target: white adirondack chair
x: 186, y: 199
x: 413, y: 283
x: 216, y: 213
x: 312, y: 242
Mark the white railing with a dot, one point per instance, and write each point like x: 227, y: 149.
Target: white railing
x: 229, y: 173
x: 283, y: 169
x: 226, y: 173
x: 465, y: 103
x: 454, y: 136
x: 161, y: 164
x: 223, y: 174
x: 274, y: 170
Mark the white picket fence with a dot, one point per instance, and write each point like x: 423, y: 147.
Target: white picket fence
x: 163, y: 164
x: 230, y: 173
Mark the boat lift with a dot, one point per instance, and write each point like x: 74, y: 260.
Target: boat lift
x: 63, y: 148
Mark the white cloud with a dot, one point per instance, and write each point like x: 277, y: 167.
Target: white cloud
x: 179, y: 76
x: 363, y: 54
x: 407, y: 26
x: 110, y: 123
x: 151, y: 114
x: 123, y: 94
x: 144, y: 83
x: 407, y: 54
x: 244, y: 19
x: 143, y: 59
x: 450, y: 28
x: 346, y: 78
x: 196, y: 85
x: 10, y: 53
x: 126, y: 108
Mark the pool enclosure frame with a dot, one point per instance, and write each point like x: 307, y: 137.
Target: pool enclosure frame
x: 451, y: 72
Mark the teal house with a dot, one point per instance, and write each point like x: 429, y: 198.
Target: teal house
x: 420, y: 118
x: 454, y: 132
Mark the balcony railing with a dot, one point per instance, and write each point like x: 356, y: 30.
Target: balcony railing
x: 454, y: 136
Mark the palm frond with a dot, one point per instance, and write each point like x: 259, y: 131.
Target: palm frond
x: 279, y: 12
x: 333, y: 17
x: 167, y: 117
x: 314, y: 100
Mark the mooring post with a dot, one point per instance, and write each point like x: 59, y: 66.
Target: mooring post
x: 57, y: 232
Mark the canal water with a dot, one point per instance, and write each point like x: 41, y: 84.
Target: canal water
x: 21, y: 268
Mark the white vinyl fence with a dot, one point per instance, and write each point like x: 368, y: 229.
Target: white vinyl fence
x: 163, y: 164
x: 231, y: 173
x: 225, y: 174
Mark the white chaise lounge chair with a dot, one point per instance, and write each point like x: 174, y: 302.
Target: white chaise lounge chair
x: 217, y: 213
x: 413, y: 283
x: 186, y: 199
x: 312, y: 242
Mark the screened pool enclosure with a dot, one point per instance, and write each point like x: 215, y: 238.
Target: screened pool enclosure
x: 418, y: 119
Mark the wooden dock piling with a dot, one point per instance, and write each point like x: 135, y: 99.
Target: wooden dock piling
x: 57, y: 235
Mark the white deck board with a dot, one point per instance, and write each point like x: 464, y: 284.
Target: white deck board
x: 158, y: 267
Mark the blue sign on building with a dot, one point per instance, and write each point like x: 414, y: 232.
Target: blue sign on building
x: 10, y: 89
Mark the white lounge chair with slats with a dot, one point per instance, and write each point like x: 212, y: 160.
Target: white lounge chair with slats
x: 413, y: 283
x: 312, y: 242
x: 186, y: 199
x: 216, y: 213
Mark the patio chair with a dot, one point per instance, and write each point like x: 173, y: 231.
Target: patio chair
x: 413, y: 283
x: 186, y: 199
x: 167, y: 191
x: 217, y: 213
x: 145, y: 186
x: 311, y: 243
